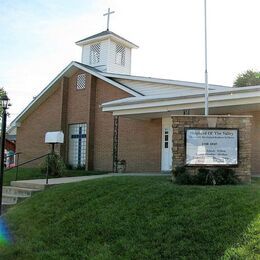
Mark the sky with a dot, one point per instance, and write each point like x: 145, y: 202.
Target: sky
x: 38, y: 39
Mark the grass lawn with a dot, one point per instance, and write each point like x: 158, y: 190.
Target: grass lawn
x: 136, y: 218
x: 35, y: 173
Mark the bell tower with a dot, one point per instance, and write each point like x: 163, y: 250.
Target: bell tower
x: 107, y: 51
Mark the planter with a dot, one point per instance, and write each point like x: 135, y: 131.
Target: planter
x: 121, y: 166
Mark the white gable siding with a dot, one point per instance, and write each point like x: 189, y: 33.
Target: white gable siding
x: 150, y: 88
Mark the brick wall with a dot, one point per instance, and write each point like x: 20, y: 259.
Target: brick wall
x: 139, y: 140
x: 78, y: 106
x: 255, y: 140
x: 31, y: 133
x: 243, y: 123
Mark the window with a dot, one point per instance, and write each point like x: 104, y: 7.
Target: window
x: 120, y: 55
x: 95, y: 53
x: 77, y: 144
x: 81, y: 81
x: 166, y: 138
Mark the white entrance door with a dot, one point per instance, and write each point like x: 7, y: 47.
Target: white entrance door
x: 166, y: 164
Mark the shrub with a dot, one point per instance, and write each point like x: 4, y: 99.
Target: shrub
x: 56, y: 165
x: 69, y: 166
x: 81, y: 167
x: 180, y: 176
x: 178, y: 170
x: 225, y: 176
x: 204, y: 176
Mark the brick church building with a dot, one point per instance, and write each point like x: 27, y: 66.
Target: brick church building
x: 107, y: 114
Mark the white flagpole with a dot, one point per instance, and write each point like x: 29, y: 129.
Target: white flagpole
x: 206, y: 62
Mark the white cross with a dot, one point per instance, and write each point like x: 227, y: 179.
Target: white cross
x: 108, y: 15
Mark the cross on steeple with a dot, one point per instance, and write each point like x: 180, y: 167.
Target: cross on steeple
x: 108, y: 16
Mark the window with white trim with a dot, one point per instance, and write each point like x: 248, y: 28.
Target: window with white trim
x: 120, y: 55
x: 81, y: 81
x: 166, y: 138
x: 94, y: 53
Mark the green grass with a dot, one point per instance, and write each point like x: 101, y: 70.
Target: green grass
x: 35, y: 173
x: 136, y: 218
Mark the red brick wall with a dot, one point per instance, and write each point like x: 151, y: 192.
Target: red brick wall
x: 139, y: 140
x: 140, y: 144
x: 255, y: 139
x: 78, y: 106
x: 31, y: 133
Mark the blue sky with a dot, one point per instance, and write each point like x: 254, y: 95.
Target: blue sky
x: 38, y: 36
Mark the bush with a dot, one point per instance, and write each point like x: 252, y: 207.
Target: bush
x: 56, y: 165
x: 81, y: 167
x: 225, y: 176
x: 204, y: 176
x: 181, y: 176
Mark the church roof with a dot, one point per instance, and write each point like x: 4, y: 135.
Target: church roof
x: 104, y: 35
x: 148, y: 86
x: 239, y: 98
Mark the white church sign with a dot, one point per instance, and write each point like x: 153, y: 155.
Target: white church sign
x: 54, y: 137
x: 211, y: 147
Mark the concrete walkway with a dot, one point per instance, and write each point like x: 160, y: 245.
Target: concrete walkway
x: 56, y: 181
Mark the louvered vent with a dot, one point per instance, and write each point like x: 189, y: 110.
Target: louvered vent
x: 95, y: 53
x: 81, y: 81
x: 120, y: 55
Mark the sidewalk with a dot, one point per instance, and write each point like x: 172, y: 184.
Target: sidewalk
x: 56, y: 181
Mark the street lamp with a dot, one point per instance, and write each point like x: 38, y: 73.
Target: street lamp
x: 4, y: 102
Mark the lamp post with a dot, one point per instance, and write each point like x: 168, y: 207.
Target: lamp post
x: 4, y: 102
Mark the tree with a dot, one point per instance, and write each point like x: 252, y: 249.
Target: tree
x: 248, y: 78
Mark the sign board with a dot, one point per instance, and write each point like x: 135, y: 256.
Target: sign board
x: 54, y: 137
x: 211, y: 147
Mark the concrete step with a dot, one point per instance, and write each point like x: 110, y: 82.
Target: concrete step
x: 17, y: 191
x: 9, y: 199
x: 28, y: 185
x: 13, y: 194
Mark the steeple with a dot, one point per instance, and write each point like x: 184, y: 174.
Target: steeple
x: 107, y: 51
x: 108, y: 16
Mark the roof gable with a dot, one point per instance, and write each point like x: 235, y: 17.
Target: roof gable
x: 67, y: 72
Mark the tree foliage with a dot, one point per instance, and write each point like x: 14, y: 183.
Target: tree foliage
x: 248, y: 78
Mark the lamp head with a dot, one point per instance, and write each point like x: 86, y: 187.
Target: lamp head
x: 4, y: 101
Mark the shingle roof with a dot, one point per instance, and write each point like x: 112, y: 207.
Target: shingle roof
x: 105, y: 33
